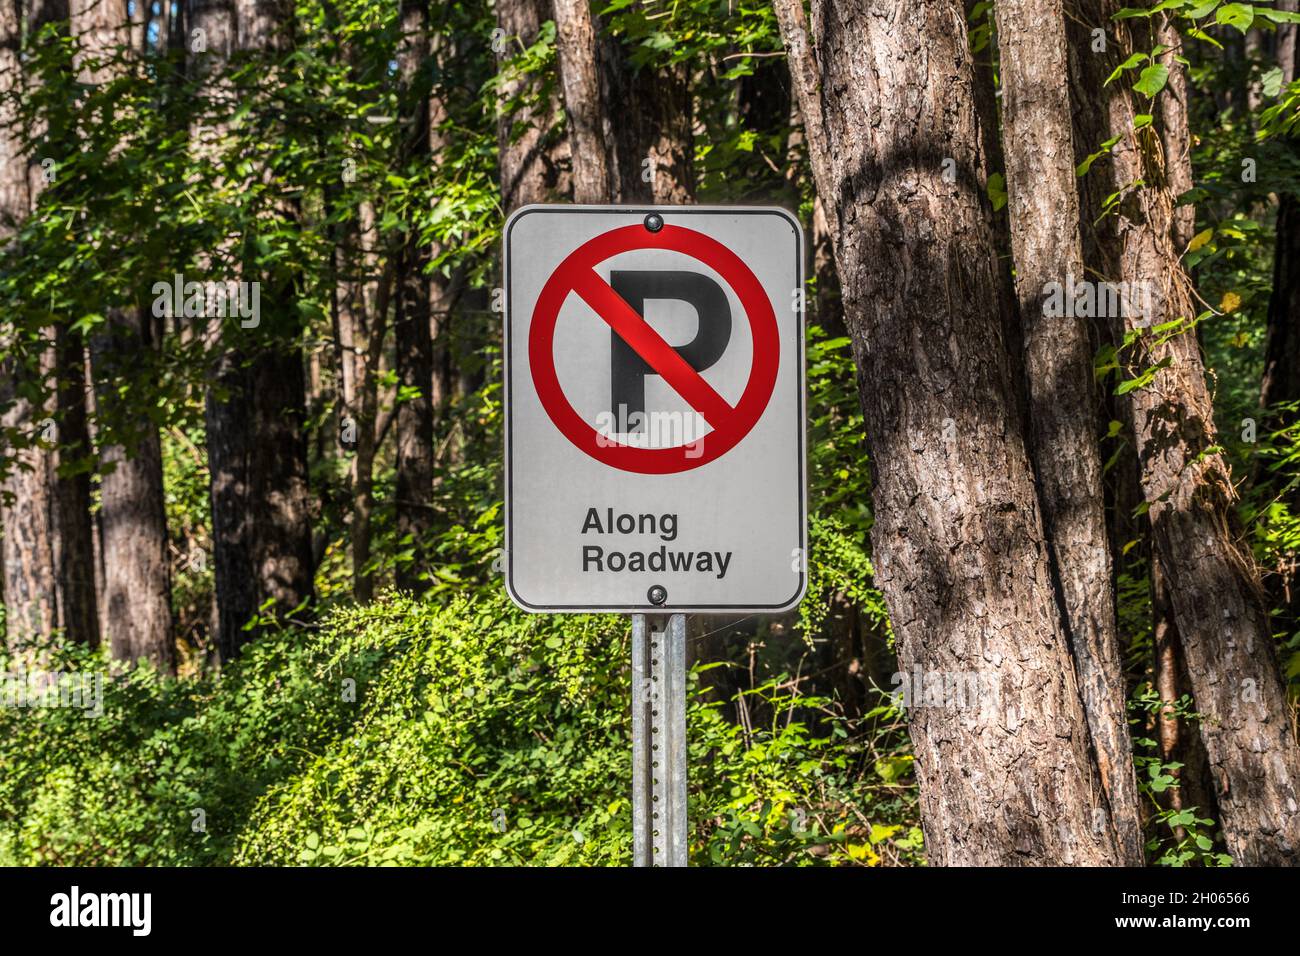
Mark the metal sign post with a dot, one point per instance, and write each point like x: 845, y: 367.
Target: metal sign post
x: 659, y: 740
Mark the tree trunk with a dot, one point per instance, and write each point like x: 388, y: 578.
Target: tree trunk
x: 78, y: 611
x: 137, y: 589
x: 985, y: 88
x: 1287, y: 34
x: 363, y: 464
x: 652, y: 143
x: 255, y: 409
x: 531, y: 161
x: 230, y: 445
x: 1044, y: 211
x: 26, y: 511
x: 137, y: 586
x: 958, y: 542
x: 1219, y: 607
x: 1175, y: 134
x: 29, y: 571
x: 591, y: 138
x: 414, y: 341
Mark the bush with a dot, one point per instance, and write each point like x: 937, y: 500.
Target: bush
x: 413, y: 733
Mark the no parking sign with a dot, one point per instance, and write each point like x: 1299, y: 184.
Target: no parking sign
x: 654, y: 393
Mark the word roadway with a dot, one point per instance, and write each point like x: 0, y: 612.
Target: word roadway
x: 659, y: 560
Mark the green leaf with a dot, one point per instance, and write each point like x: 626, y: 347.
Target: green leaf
x: 1153, y: 79
x: 1278, y: 16
x: 1239, y: 15
x: 997, y: 189
x: 1128, y: 64
x: 1200, y: 34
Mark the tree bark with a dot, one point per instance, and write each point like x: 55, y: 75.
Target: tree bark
x: 137, y: 585
x: 531, y: 160
x: 26, y: 512
x: 985, y: 87
x: 805, y: 78
x: 649, y: 112
x: 136, y: 600
x: 29, y: 572
x: 255, y: 409
x: 958, y: 540
x: 78, y: 613
x: 78, y: 609
x: 1219, y: 607
x: 414, y: 341
x: 1287, y: 34
x: 278, y: 485
x: 591, y: 137
x: 1175, y: 133
x: 363, y: 465
x: 1044, y: 211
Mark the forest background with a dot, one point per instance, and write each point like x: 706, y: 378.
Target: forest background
x: 260, y: 533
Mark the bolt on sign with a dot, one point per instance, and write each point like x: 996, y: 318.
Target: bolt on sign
x: 654, y: 399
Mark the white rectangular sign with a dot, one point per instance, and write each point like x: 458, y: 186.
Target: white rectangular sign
x: 654, y: 399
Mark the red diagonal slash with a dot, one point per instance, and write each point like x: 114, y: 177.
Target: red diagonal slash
x: 647, y: 343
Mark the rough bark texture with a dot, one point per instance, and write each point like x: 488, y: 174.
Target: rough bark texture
x: 78, y: 609
x: 229, y: 447
x: 414, y: 341
x: 590, y: 134
x: 74, y: 545
x: 629, y: 127
x: 806, y: 80
x: 1287, y: 34
x: 531, y: 161
x: 985, y: 88
x: 1044, y: 209
x: 363, y: 464
x: 256, y: 402
x: 1175, y: 134
x: 958, y: 542
x: 25, y: 473
x: 133, y: 529
x: 1218, y: 602
x: 133, y: 522
x: 26, y: 512
x: 653, y: 149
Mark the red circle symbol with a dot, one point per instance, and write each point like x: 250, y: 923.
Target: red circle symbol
x: 577, y: 274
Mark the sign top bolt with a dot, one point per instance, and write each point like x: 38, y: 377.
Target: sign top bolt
x: 654, y: 222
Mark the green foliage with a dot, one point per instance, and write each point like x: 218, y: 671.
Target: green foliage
x: 1179, y: 836
x: 409, y: 732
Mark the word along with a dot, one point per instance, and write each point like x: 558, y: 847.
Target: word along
x: 654, y: 394
x: 664, y: 525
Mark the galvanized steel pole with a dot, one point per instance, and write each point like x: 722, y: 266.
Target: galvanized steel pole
x: 659, y: 740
